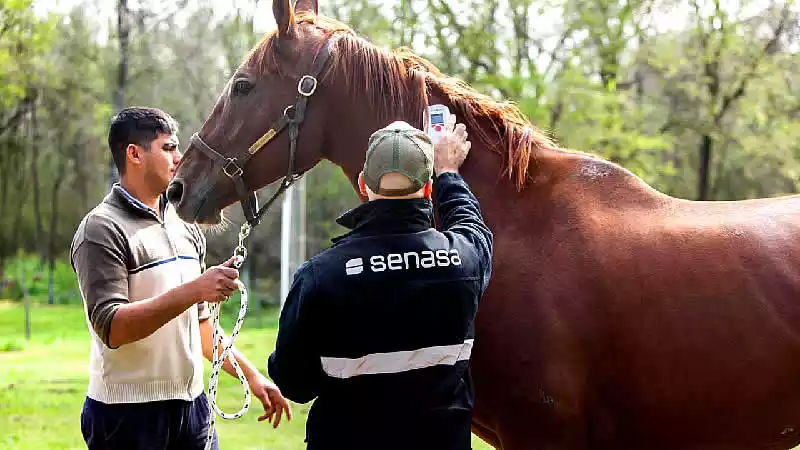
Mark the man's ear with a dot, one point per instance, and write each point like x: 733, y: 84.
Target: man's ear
x: 362, y: 186
x: 429, y: 190
x: 133, y: 155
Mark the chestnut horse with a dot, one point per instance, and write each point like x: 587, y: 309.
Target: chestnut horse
x: 617, y: 317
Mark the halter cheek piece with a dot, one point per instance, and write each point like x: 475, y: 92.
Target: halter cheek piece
x: 293, y: 116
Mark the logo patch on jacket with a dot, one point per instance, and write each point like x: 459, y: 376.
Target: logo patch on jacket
x: 354, y: 266
x: 425, y: 259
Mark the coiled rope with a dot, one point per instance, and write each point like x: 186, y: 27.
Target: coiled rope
x: 218, y: 360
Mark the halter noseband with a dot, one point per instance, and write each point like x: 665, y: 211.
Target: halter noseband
x: 293, y: 116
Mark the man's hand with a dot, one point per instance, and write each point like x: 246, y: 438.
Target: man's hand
x: 262, y: 388
x: 271, y: 398
x: 452, y: 149
x: 215, y: 284
x: 137, y: 320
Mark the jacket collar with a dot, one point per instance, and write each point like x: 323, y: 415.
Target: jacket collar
x: 387, y: 216
x: 120, y: 197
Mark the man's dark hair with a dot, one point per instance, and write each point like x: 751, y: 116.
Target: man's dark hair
x: 137, y: 125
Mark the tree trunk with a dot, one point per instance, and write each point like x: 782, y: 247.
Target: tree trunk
x: 37, y: 205
x: 123, y: 28
x: 21, y: 184
x: 5, y: 175
x: 17, y: 161
x: 83, y: 181
x: 712, y: 68
x: 51, y: 250
x: 6, y: 161
x: 705, y: 163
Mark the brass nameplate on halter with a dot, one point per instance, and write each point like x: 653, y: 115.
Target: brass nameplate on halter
x: 262, y: 141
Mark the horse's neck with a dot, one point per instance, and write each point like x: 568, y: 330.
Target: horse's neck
x: 551, y: 170
x: 347, y: 143
x: 348, y: 131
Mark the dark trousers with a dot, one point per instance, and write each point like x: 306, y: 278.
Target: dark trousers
x: 161, y: 425
x: 445, y: 430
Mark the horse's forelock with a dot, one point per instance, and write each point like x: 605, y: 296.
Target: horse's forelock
x: 263, y: 58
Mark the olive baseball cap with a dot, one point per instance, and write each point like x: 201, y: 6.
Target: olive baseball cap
x: 401, y: 148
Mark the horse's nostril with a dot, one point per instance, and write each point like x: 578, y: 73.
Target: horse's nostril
x: 175, y: 192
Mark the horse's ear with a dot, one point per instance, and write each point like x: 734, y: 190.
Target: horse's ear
x: 307, y: 5
x: 284, y: 18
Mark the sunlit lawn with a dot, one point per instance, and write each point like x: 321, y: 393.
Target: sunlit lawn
x: 43, y: 382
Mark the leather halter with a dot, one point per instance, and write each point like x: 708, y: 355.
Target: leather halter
x: 292, y: 117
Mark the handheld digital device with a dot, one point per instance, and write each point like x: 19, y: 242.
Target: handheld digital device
x: 435, y: 120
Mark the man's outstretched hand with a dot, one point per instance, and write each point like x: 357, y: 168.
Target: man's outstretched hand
x: 275, y: 404
x: 452, y: 148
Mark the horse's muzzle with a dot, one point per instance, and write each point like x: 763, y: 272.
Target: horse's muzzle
x: 175, y: 192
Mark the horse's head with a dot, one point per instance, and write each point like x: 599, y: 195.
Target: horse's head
x: 270, y: 104
x: 352, y: 88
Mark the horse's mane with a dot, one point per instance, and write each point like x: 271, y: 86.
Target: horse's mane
x: 401, y: 79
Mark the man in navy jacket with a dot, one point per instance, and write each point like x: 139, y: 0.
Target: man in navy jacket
x: 379, y: 328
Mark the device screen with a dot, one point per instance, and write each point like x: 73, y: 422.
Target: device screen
x: 437, y: 118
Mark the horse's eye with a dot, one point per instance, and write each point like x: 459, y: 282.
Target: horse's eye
x: 242, y: 87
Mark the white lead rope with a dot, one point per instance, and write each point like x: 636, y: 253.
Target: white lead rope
x: 219, y: 359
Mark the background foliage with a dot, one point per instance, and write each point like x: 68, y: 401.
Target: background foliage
x: 701, y: 98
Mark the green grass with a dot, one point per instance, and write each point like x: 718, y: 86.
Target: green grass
x: 43, y: 383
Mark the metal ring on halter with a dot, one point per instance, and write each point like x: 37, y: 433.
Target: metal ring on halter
x: 286, y: 112
x: 237, y: 171
x: 310, y: 92
x: 240, y: 250
x: 239, y: 255
x: 244, y: 231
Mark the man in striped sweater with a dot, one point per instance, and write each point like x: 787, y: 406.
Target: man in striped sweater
x: 141, y: 274
x: 379, y: 327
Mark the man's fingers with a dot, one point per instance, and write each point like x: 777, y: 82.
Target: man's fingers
x: 267, y: 402
x: 229, y: 262
x: 288, y: 409
x: 228, y: 284
x: 268, y: 409
x: 226, y: 289
x: 451, y: 122
x: 278, y: 414
x: 229, y: 272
